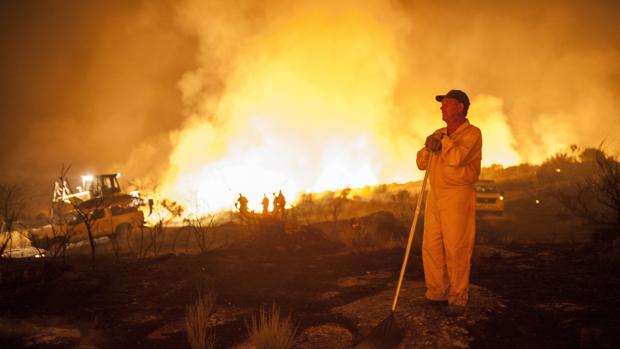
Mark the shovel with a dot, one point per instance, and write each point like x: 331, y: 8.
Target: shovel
x: 388, y: 334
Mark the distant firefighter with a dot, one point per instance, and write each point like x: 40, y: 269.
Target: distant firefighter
x: 279, y: 202
x: 265, y: 203
x: 242, y: 204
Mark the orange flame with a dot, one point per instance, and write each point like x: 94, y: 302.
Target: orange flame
x: 309, y: 107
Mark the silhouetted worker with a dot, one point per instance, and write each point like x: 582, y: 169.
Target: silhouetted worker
x: 450, y: 215
x: 265, y: 203
x: 243, y: 204
x: 278, y: 204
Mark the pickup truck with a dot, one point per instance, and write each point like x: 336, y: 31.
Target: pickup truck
x: 489, y: 200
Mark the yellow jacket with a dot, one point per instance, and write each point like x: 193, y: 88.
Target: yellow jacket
x: 457, y: 165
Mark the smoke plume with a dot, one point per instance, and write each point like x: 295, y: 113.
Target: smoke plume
x: 320, y: 95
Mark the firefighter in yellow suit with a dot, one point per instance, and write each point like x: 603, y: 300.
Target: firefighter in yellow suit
x: 450, y: 215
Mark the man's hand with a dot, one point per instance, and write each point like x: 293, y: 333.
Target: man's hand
x: 433, y: 143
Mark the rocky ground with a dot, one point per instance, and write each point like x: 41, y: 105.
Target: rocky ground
x: 522, y: 295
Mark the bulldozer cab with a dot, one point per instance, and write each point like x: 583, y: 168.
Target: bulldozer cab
x: 101, y: 185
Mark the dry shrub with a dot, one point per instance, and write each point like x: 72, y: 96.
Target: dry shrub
x: 268, y: 331
x: 199, y: 334
x: 371, y: 238
x: 202, y: 230
x: 377, y: 231
x: 364, y: 239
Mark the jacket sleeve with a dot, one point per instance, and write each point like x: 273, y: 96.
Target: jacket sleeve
x: 456, y: 153
x: 422, y: 158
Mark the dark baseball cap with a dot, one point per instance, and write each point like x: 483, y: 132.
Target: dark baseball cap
x: 456, y: 94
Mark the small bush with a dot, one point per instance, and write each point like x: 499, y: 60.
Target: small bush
x: 375, y: 231
x: 202, y: 230
x: 268, y: 331
x: 199, y: 334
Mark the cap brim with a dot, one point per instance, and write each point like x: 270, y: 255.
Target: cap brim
x: 439, y: 98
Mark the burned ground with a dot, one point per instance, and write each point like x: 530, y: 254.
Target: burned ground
x: 529, y: 290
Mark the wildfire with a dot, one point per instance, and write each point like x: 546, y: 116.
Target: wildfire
x: 309, y: 106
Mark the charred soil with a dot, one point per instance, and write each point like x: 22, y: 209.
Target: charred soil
x: 555, y: 295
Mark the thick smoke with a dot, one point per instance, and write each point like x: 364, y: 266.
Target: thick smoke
x: 293, y: 82
x: 102, y: 84
x: 88, y: 83
x: 306, y: 91
x: 555, y: 64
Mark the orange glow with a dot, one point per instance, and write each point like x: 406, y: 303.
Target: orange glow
x: 309, y: 107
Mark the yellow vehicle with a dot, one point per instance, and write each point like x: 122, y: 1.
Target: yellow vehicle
x: 102, y: 207
x: 489, y: 200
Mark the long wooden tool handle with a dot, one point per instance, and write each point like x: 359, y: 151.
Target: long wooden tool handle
x: 413, y: 226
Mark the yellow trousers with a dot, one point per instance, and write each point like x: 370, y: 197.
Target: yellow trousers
x: 449, y: 234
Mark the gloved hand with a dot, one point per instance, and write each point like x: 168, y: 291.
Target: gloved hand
x: 433, y: 143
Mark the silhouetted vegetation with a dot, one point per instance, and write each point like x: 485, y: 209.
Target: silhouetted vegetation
x: 200, y: 334
x: 594, y: 190
x: 268, y: 330
x: 86, y: 216
x: 11, y: 209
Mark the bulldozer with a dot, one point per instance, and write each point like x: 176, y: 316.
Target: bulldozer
x: 98, y: 205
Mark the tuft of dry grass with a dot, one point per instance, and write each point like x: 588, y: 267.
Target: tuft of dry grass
x: 199, y: 334
x: 268, y: 331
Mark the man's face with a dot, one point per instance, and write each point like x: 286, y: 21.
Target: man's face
x: 451, y: 109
